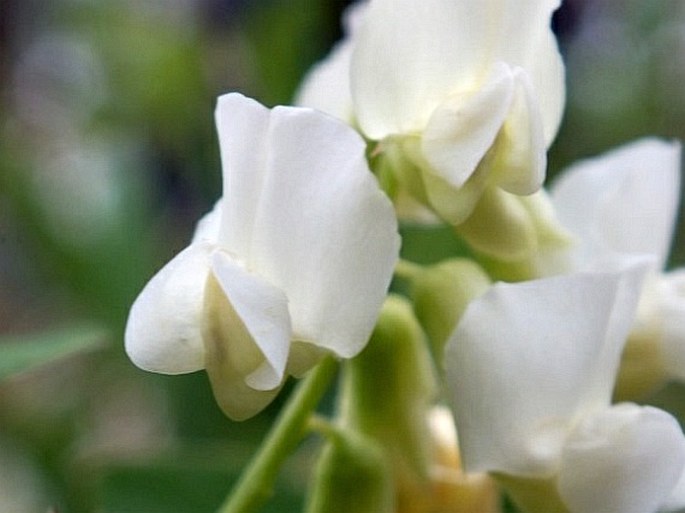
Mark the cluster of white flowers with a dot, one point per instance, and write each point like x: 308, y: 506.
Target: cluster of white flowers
x: 452, y: 105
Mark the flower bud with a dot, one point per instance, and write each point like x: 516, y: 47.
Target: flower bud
x: 654, y: 352
x: 642, y: 369
x: 500, y: 227
x: 518, y: 238
x: 387, y: 392
x: 453, y: 490
x: 441, y: 293
x: 352, y: 476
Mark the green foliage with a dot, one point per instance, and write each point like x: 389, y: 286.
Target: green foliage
x: 286, y: 37
x: 180, y: 483
x: 23, y: 353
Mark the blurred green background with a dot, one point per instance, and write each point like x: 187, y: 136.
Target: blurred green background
x: 108, y: 157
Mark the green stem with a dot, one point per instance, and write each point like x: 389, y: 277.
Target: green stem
x: 256, y: 484
x: 407, y: 270
x: 323, y: 426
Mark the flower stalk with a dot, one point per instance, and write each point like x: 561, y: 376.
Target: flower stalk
x: 256, y: 484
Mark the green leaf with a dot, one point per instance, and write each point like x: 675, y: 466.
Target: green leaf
x: 191, y: 480
x: 25, y: 352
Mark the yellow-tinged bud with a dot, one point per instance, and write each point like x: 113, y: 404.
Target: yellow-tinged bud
x: 454, y: 491
x: 386, y: 394
x: 500, y: 227
x: 518, y: 237
x: 352, y: 476
x: 441, y: 293
x: 642, y: 367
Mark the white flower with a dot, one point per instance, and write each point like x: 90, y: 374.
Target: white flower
x: 530, y: 370
x: 625, y: 202
x: 293, y: 262
x: 327, y: 85
x: 622, y: 202
x: 470, y: 92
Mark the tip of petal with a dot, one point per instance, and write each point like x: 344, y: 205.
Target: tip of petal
x: 163, y: 331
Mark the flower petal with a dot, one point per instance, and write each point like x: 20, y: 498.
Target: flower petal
x: 623, y: 201
x: 242, y: 124
x: 528, y: 23
x: 207, y: 228
x: 260, y: 313
x: 626, y: 458
x: 327, y: 85
x: 246, y: 336
x: 452, y: 204
x: 676, y: 500
x: 320, y: 229
x: 527, y: 359
x: 521, y: 144
x: 411, y: 56
x: 461, y: 130
x: 163, y: 331
x: 548, y: 77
